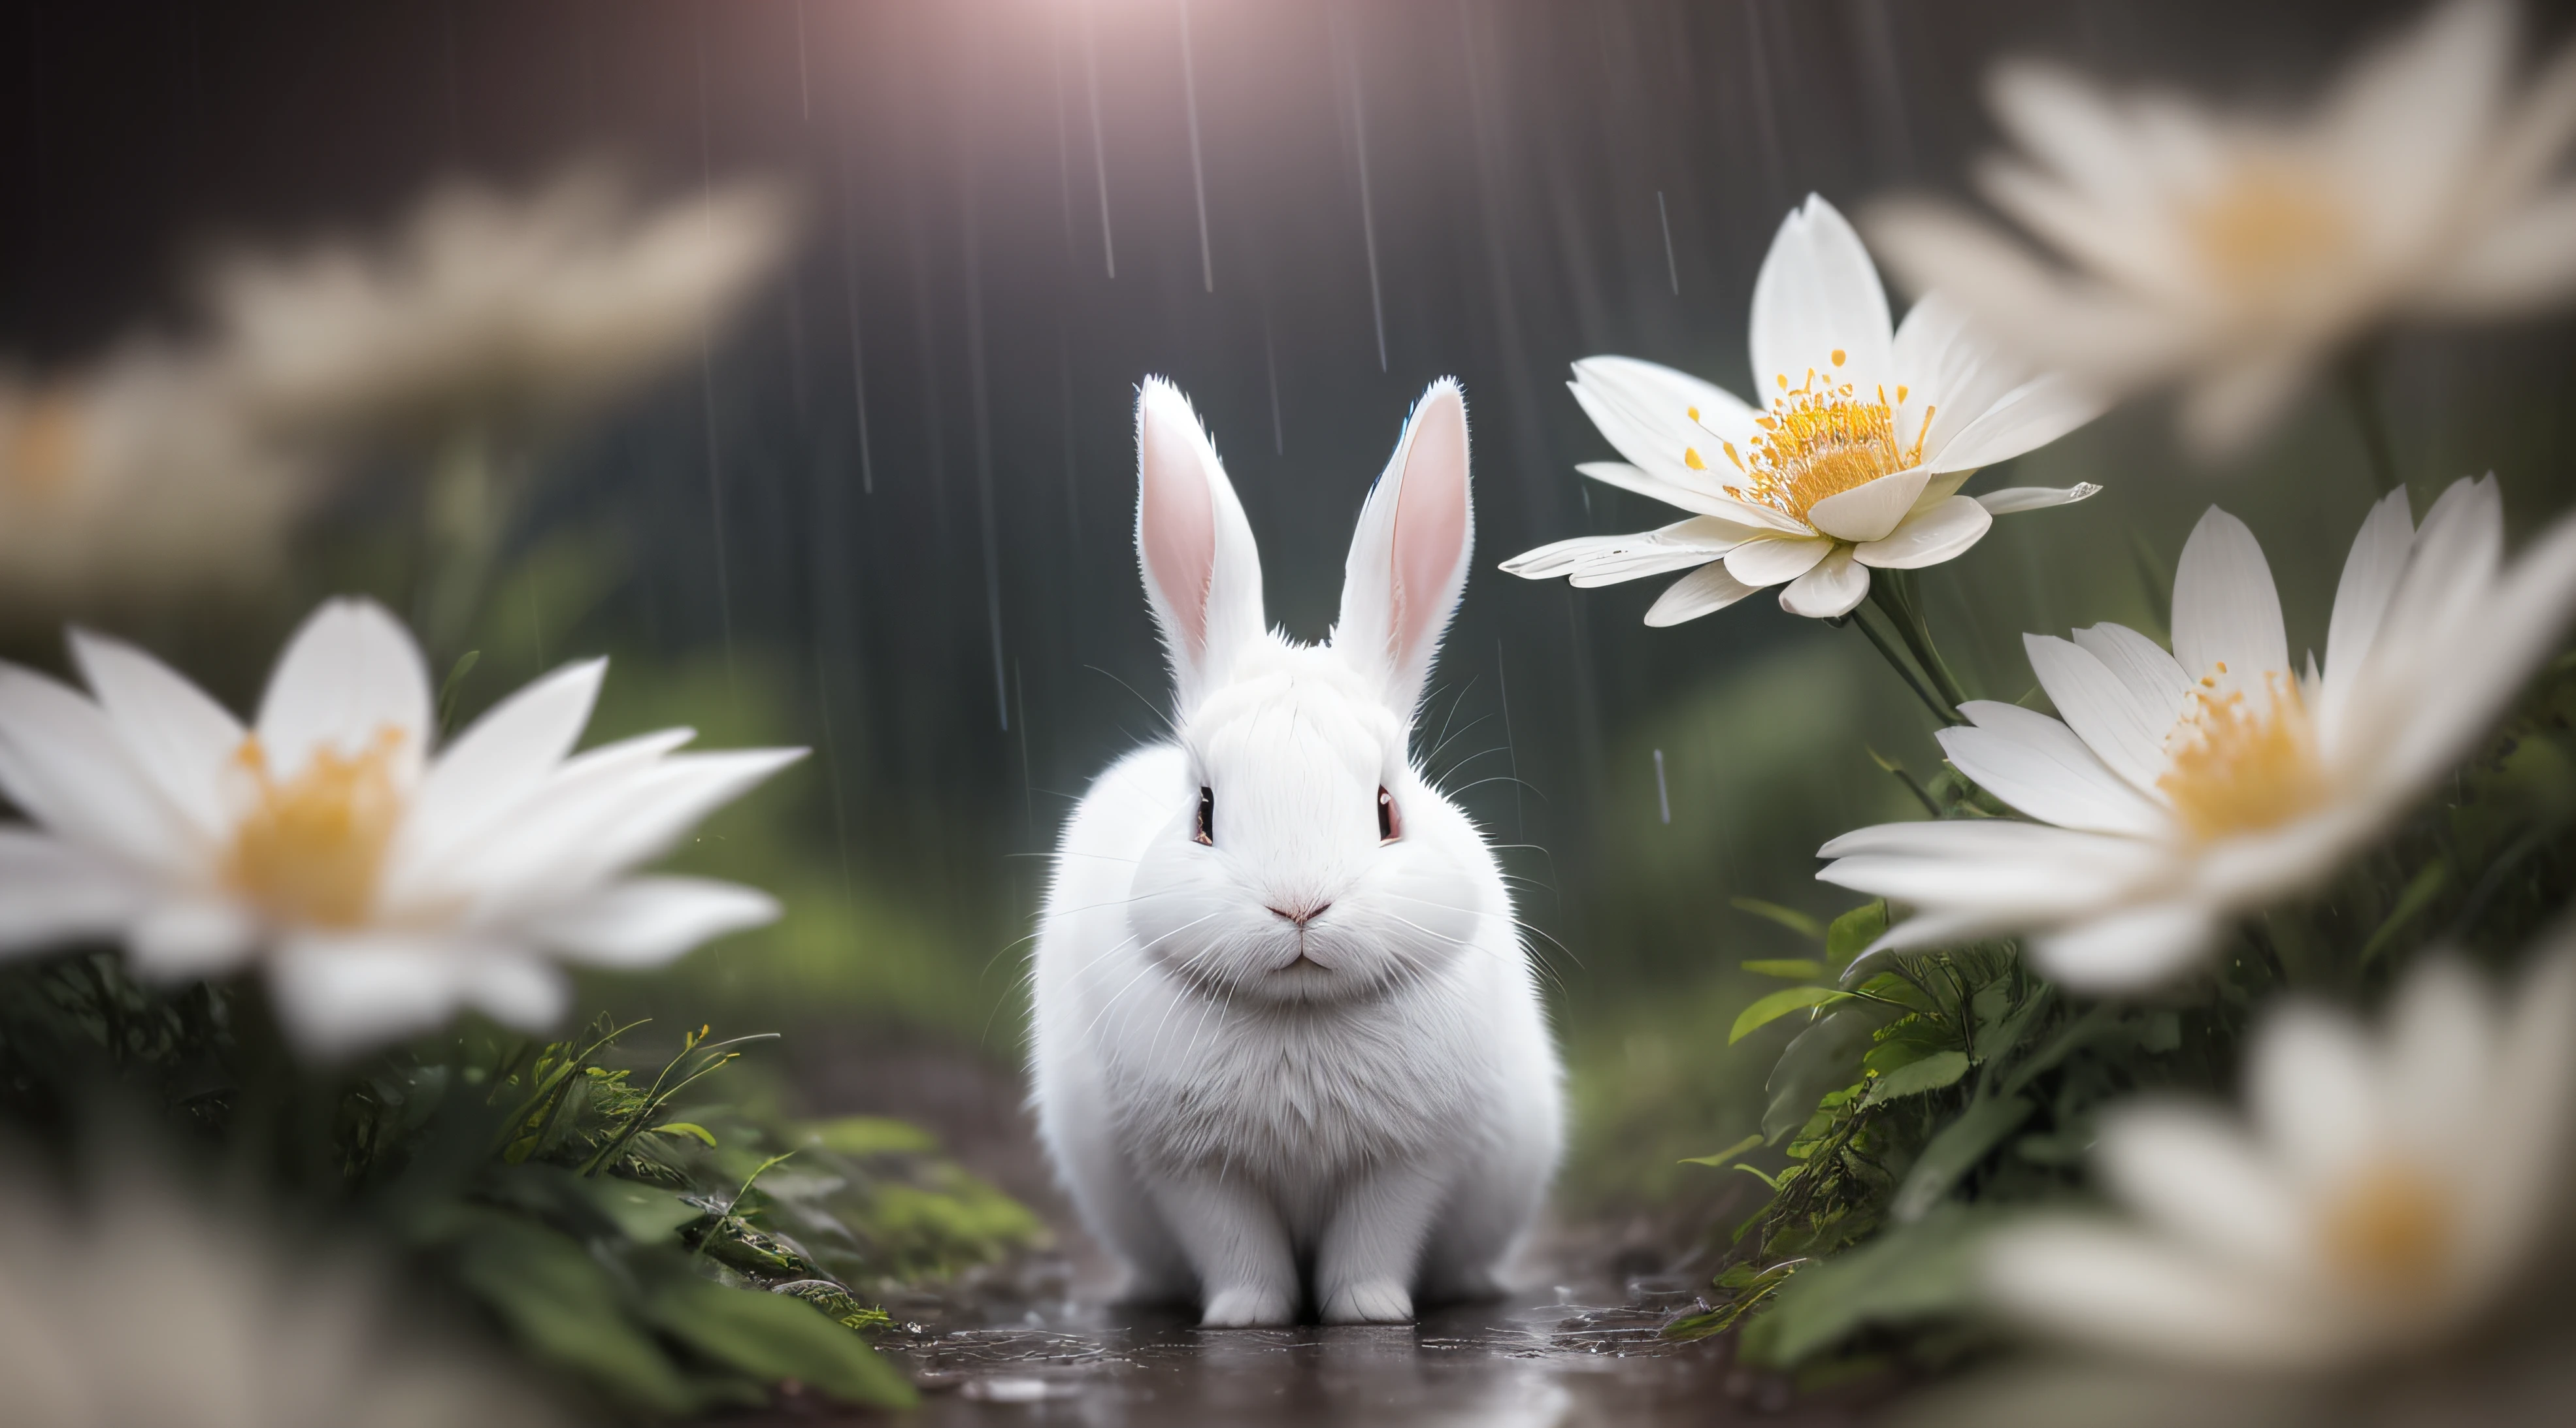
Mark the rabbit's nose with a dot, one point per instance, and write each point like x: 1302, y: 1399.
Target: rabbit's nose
x: 1303, y: 915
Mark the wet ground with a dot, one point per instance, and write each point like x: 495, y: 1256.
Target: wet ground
x: 1035, y: 1346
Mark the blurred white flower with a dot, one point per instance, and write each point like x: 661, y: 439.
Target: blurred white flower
x: 132, y: 482
x: 2231, y: 253
x: 486, y: 309
x: 381, y: 888
x: 2387, y: 1192
x: 143, y: 1309
x: 2183, y: 788
x: 1857, y: 462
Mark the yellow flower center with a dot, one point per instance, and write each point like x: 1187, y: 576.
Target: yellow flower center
x: 2239, y: 766
x: 313, y: 847
x: 2390, y: 1231
x: 2267, y: 226
x: 1819, y: 439
x: 42, y: 453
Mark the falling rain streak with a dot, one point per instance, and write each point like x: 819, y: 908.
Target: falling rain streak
x: 1663, y: 799
x: 1099, y: 143
x: 1344, y: 53
x: 1664, y: 217
x: 1198, y: 171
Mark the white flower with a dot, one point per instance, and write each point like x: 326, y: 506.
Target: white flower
x: 2182, y: 788
x: 2230, y: 252
x: 1857, y: 462
x: 134, y: 482
x: 142, y: 1308
x: 485, y: 308
x: 2386, y: 1193
x: 381, y: 888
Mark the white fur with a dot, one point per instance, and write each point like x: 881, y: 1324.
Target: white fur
x: 1373, y: 1123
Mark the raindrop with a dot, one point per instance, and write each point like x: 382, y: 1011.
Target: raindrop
x: 1664, y: 216
x: 850, y: 296
x: 1198, y: 172
x: 1270, y: 359
x: 1663, y: 799
x: 984, y: 451
x: 1511, y: 750
x: 1350, y: 76
x: 804, y: 82
x: 1099, y: 145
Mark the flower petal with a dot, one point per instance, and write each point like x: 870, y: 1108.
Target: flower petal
x: 340, y: 995
x: 645, y: 922
x: 2314, y: 1094
x: 2370, y: 576
x: 1818, y: 293
x: 2197, y: 1176
x: 177, y: 736
x: 519, y: 992
x: 1690, y: 498
x: 2026, y: 418
x: 2120, y: 1290
x: 1870, y: 510
x: 349, y: 675
x: 63, y: 764
x: 1772, y: 560
x: 482, y: 777
x: 2098, y: 706
x: 2130, y: 949
x: 2153, y: 679
x: 1830, y: 590
x: 1604, y: 559
x: 1930, y: 536
x: 2225, y: 608
x: 52, y: 893
x: 192, y: 938
x: 2039, y: 766
x: 1704, y: 591
x: 2012, y: 500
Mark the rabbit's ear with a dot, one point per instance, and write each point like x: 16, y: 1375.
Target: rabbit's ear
x: 1202, y: 573
x: 1408, y: 562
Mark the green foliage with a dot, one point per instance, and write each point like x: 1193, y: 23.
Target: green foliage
x: 1935, y: 1091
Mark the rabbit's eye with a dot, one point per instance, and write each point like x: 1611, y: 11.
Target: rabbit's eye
x: 1207, y: 817
x: 1390, y: 823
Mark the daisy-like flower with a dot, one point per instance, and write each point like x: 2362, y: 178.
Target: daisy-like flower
x: 138, y: 1307
x: 2180, y: 789
x: 2387, y: 1192
x: 489, y: 309
x: 2231, y: 253
x: 135, y: 481
x: 379, y: 887
x: 1856, y: 462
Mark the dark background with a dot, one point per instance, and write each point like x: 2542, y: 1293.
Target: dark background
x: 905, y: 476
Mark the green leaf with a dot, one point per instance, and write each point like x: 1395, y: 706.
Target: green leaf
x: 1788, y: 917
x: 648, y: 1214
x: 774, y: 1337
x: 564, y: 1308
x: 1907, y: 1275
x: 686, y: 1128
x: 1825, y: 1057
x: 1956, y: 1151
x: 1779, y: 1004
x: 1852, y: 932
x: 1723, y: 1156
x: 868, y: 1135
x: 2419, y: 895
x: 1929, y: 1073
x: 454, y: 686
x: 1796, y: 969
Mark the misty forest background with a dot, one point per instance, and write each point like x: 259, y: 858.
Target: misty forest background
x: 888, y: 512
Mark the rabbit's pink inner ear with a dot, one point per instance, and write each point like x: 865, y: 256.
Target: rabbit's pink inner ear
x: 1176, y: 522
x: 1430, y: 540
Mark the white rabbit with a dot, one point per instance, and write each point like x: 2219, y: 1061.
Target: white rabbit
x: 1284, y: 1017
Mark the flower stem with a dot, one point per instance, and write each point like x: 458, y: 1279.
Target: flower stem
x: 1893, y: 592
x: 1942, y: 710
x: 2362, y: 394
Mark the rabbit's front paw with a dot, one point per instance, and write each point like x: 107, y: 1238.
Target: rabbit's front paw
x: 1380, y: 1301
x: 1248, y: 1307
